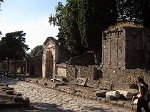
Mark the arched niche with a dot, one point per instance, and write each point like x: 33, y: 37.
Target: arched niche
x: 49, y: 58
x: 49, y: 65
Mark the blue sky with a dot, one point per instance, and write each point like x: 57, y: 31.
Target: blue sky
x: 30, y: 16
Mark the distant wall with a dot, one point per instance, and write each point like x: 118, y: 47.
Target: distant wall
x: 35, y: 66
x: 19, y: 64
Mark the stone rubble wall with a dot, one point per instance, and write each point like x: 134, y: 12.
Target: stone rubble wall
x: 83, y: 60
x: 111, y: 79
x: 123, y: 79
x: 20, y: 65
x: 89, y: 73
x: 35, y: 66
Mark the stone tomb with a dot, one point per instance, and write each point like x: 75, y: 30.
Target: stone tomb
x: 53, y: 54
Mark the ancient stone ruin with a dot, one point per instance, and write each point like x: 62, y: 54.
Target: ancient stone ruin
x: 52, y: 55
x: 126, y: 55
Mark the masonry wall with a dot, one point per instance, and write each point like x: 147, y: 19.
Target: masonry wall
x: 89, y: 73
x: 113, y: 49
x: 122, y: 79
x: 126, y: 55
x: 126, y: 48
x: 19, y: 64
x: 35, y: 66
x: 61, y: 70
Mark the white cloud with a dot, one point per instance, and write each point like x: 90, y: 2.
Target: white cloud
x: 36, y: 31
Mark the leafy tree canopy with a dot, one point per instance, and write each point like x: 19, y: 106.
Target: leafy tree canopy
x: 38, y: 50
x: 81, y: 23
x: 13, y: 46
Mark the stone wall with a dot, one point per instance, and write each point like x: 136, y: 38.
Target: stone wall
x: 113, y: 49
x: 89, y: 73
x: 35, y: 66
x: 19, y: 64
x: 126, y: 55
x: 123, y: 79
x: 61, y: 70
x: 126, y: 47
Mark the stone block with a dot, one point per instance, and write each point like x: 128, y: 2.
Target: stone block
x: 10, y: 92
x: 18, y: 99
x: 114, y: 94
x: 134, y: 91
x: 101, y: 93
x: 2, y: 84
x: 7, y: 88
x: 126, y: 94
x: 120, y: 103
x: 81, y: 81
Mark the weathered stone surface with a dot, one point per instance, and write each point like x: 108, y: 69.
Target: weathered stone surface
x: 126, y: 94
x: 18, y: 98
x: 10, y: 92
x: 115, y: 94
x: 101, y: 93
x: 134, y: 91
x: 110, y: 98
x: 135, y: 101
x: 7, y: 88
x: 81, y: 81
x: 2, y: 84
x: 120, y: 103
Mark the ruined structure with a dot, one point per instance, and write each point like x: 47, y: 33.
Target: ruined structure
x: 35, y: 66
x: 126, y: 48
x: 52, y: 55
x: 126, y: 55
x: 18, y: 67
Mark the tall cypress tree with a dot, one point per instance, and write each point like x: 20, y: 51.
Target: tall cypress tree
x: 94, y: 17
x: 82, y: 23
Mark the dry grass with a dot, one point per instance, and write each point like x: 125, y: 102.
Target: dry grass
x: 125, y: 24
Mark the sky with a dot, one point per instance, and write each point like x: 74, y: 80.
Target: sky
x: 31, y: 17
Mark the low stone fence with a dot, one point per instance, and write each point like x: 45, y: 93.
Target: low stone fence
x: 104, y: 78
x: 123, y: 79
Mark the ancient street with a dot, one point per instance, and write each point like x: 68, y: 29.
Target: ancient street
x: 49, y: 100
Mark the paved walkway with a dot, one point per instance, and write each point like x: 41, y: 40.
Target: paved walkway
x: 49, y: 100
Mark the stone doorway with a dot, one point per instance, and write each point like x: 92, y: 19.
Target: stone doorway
x: 49, y: 65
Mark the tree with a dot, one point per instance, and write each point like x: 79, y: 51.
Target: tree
x: 38, y: 50
x: 137, y: 11
x: 81, y: 23
x: 130, y: 10
x: 66, y: 18
x: 95, y: 17
x: 0, y: 2
x: 13, y: 46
